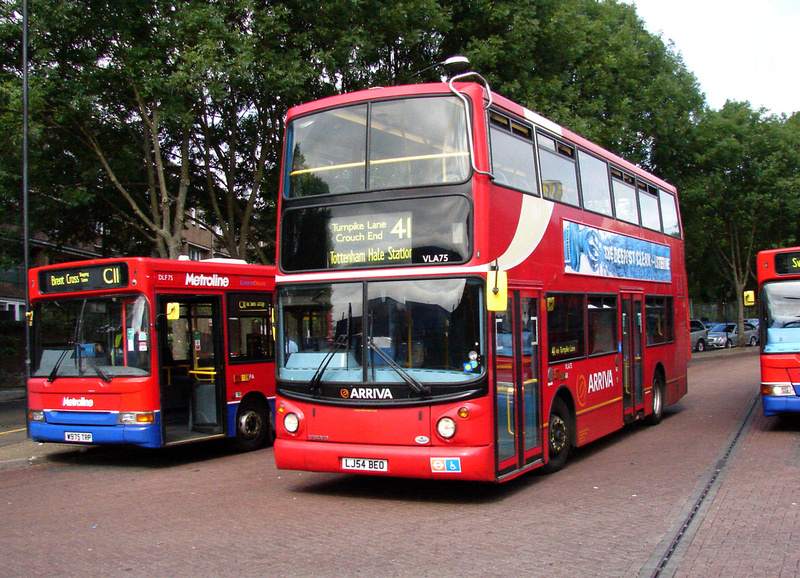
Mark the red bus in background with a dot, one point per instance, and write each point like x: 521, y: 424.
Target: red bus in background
x: 466, y: 290
x: 779, y: 329
x: 151, y: 352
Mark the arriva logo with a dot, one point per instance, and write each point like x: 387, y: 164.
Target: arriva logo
x: 199, y: 280
x: 600, y: 380
x: 367, y: 393
x: 76, y: 402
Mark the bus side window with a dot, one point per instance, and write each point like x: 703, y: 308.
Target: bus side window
x: 559, y: 174
x: 249, y: 333
x: 602, y: 318
x: 565, y: 326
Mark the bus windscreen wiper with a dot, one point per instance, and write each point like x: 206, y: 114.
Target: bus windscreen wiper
x: 53, y: 374
x: 407, y: 377
x: 317, y: 377
x: 79, y: 348
x: 72, y: 345
x: 93, y: 364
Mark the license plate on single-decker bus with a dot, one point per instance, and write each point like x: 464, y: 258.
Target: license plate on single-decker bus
x: 74, y: 436
x: 365, y: 465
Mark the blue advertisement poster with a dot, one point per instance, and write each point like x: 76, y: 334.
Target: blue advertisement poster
x: 590, y: 251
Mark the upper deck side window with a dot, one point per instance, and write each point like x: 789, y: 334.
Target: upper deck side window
x: 513, y: 163
x: 669, y: 213
x: 648, y: 203
x: 626, y: 207
x: 595, y: 184
x: 378, y: 145
x: 559, y: 170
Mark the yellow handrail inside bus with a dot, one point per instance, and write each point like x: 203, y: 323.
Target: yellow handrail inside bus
x: 326, y: 168
x: 419, y: 158
x: 203, y: 374
x: 378, y: 162
x: 510, y: 409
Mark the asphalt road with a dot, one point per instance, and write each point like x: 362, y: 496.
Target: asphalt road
x: 677, y: 499
x: 12, y: 422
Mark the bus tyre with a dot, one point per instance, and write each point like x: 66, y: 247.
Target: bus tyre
x: 559, y: 436
x: 252, y: 425
x: 658, y: 401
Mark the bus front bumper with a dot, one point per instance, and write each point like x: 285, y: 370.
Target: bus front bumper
x: 778, y: 404
x: 429, y: 462
x: 78, y: 432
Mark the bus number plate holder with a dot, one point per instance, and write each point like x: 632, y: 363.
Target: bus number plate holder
x: 83, y: 437
x: 365, y: 465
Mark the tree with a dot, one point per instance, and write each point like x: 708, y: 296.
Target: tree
x: 744, y: 195
x: 182, y: 105
x: 590, y: 66
x: 147, y: 109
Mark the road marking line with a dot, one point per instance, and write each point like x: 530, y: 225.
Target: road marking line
x: 2, y: 433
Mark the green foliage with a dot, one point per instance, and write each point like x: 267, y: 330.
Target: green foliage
x: 744, y: 195
x: 141, y: 110
x: 590, y: 66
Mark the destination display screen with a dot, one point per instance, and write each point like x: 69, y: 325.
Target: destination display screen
x: 787, y: 263
x: 430, y: 231
x: 248, y: 304
x: 370, y: 239
x: 90, y: 278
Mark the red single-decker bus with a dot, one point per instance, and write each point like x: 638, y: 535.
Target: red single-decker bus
x: 779, y: 330
x: 151, y: 352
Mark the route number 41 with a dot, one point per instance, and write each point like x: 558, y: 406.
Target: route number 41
x: 402, y: 228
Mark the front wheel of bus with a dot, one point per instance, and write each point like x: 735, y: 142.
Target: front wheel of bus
x: 559, y: 436
x: 252, y: 425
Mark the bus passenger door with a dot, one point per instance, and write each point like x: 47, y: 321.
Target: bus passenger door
x: 518, y: 431
x: 190, y: 365
x: 632, y: 333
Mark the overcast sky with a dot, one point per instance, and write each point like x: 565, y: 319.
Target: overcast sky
x: 744, y: 50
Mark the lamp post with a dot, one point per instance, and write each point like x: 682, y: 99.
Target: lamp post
x: 25, y: 239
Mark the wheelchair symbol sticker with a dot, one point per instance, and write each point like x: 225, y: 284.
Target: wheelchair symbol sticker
x: 446, y: 465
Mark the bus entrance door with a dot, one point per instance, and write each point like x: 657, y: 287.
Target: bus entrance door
x: 192, y: 378
x: 632, y: 332
x: 518, y: 433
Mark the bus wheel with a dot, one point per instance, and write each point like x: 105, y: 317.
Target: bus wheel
x: 559, y: 436
x: 658, y: 401
x: 252, y: 425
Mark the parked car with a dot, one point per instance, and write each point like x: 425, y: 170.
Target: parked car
x: 699, y: 335
x: 727, y: 335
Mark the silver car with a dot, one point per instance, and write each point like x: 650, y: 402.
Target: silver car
x: 699, y: 335
x: 727, y: 335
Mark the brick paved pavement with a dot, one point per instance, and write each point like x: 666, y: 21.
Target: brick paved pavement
x: 752, y: 526
x: 201, y: 511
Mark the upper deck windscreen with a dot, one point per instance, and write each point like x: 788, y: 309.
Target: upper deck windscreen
x: 381, y: 145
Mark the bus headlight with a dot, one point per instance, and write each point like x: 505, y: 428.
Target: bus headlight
x: 291, y: 422
x: 36, y: 415
x: 781, y: 389
x: 135, y: 418
x: 446, y: 427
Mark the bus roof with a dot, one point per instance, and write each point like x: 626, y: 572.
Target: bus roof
x: 475, y: 90
x: 81, y: 277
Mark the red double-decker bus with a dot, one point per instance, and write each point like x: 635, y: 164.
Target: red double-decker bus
x: 779, y: 330
x: 152, y: 352
x: 466, y: 290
